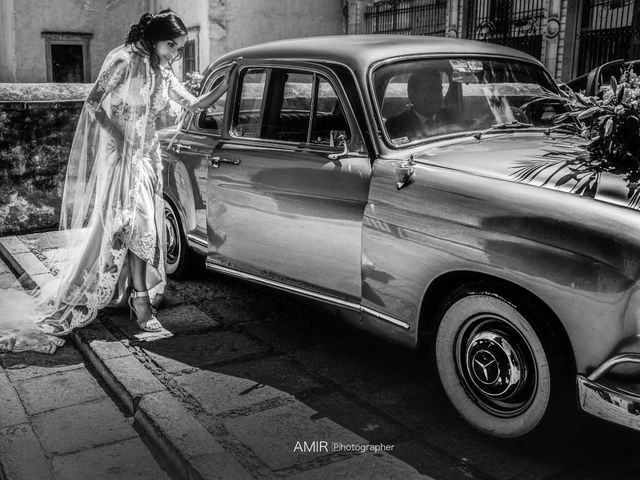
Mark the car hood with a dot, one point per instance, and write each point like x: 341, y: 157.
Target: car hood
x: 554, y: 162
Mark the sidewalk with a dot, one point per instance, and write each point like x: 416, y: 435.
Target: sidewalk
x: 56, y: 422
x: 211, y: 422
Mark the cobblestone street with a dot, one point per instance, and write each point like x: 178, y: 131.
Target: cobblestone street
x: 319, y: 240
x: 243, y: 373
x: 57, y: 421
x: 382, y: 393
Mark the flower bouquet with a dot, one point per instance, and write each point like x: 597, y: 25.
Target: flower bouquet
x: 610, y: 122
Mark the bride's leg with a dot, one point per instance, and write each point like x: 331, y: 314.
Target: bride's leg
x: 138, y: 272
x: 142, y: 305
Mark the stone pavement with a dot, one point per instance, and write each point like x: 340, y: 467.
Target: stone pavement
x: 57, y: 422
x: 192, y: 389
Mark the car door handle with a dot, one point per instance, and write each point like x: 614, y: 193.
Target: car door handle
x: 216, y: 160
x: 179, y: 146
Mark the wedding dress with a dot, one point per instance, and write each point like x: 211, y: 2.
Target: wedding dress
x: 112, y: 203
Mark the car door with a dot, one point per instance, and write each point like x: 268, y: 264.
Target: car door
x: 193, y: 148
x: 286, y: 199
x: 601, y: 76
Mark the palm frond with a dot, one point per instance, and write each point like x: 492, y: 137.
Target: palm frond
x: 528, y: 171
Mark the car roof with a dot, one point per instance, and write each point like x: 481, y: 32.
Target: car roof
x: 360, y: 51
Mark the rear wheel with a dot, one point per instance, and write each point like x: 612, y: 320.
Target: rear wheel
x: 180, y: 259
x: 503, y: 364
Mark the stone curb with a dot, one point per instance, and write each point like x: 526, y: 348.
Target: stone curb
x: 191, y: 450
x: 7, y: 251
x: 171, y: 428
x: 136, y: 387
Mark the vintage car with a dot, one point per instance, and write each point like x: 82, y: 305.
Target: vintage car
x: 596, y: 80
x: 419, y: 188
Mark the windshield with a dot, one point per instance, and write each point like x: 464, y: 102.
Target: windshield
x: 425, y: 98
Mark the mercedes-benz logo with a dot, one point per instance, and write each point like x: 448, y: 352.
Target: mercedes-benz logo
x: 485, y: 367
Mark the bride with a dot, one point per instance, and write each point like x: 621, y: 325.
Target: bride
x: 112, y: 211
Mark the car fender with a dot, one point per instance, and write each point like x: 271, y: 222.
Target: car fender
x: 178, y: 188
x: 555, y: 245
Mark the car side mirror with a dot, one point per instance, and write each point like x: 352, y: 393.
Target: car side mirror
x: 405, y: 172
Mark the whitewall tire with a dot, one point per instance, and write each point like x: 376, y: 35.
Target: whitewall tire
x: 502, y: 364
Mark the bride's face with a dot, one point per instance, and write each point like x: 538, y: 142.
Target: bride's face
x: 167, y: 50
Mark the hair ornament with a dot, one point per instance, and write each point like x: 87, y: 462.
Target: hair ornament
x: 145, y: 19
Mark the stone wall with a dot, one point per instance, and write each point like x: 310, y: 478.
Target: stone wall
x: 34, y: 148
x: 37, y: 124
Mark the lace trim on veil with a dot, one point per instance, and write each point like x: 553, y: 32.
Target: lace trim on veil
x: 101, y: 188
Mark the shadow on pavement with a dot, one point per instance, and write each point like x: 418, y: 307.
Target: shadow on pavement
x: 242, y: 352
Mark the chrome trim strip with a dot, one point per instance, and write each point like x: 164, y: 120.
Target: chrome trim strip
x: 195, y: 239
x: 612, y: 362
x: 283, y: 286
x: 387, y: 318
x: 306, y: 293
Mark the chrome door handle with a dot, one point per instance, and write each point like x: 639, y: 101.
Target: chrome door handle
x: 216, y: 160
x: 179, y: 146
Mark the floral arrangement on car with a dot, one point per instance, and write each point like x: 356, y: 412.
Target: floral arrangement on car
x: 611, y: 124
x: 192, y: 84
x: 175, y: 113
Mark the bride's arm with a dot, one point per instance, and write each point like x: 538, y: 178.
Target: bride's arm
x: 109, y: 78
x: 182, y: 96
x: 107, y: 124
x: 208, y: 99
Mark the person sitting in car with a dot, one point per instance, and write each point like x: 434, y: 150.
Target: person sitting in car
x: 426, y: 115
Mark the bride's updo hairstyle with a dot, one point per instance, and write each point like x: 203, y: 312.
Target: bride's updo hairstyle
x: 164, y: 25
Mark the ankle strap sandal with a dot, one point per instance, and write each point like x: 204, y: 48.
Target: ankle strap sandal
x: 144, y: 325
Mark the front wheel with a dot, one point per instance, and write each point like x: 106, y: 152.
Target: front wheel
x: 503, y: 365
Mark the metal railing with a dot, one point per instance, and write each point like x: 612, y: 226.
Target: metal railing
x: 605, y: 32
x: 409, y: 17
x: 517, y: 24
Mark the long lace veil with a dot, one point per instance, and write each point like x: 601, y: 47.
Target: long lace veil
x: 102, y: 182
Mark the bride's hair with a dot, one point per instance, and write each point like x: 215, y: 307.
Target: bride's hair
x: 164, y: 25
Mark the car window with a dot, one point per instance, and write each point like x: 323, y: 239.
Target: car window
x: 610, y: 71
x: 578, y: 84
x: 424, y: 98
x: 247, y: 113
x: 396, y: 98
x: 329, y: 119
x: 301, y: 107
x: 287, y: 117
x: 327, y: 97
x: 615, y: 70
x: 211, y: 117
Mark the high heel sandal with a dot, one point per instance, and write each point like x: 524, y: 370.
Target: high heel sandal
x: 143, y: 324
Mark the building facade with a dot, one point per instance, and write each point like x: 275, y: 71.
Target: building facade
x: 67, y: 40
x: 569, y: 36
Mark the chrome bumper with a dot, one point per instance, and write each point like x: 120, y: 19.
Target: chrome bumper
x: 614, y: 401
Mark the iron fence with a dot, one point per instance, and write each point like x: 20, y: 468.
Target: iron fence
x: 409, y: 17
x: 605, y: 32
x: 514, y: 23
